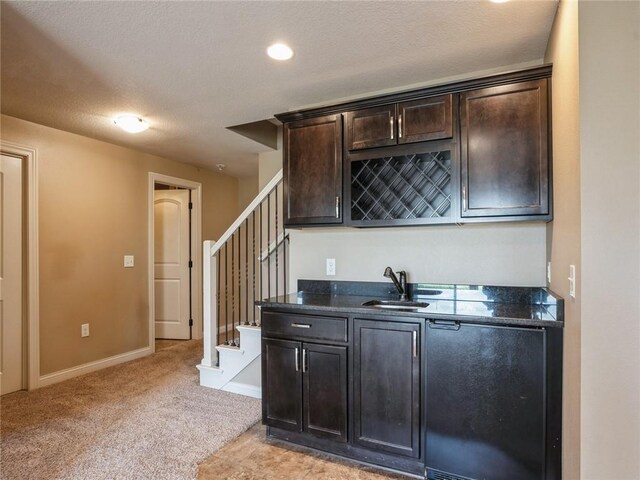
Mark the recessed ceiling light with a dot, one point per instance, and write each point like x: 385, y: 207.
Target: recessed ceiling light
x: 131, y: 123
x: 280, y: 51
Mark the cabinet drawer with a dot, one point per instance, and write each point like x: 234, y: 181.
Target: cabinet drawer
x: 315, y: 327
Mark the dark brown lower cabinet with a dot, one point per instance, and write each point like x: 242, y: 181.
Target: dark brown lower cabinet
x: 386, y: 375
x: 324, y: 395
x: 305, y: 388
x: 441, y: 398
x: 282, y: 384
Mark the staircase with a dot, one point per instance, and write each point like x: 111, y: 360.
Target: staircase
x: 248, y: 263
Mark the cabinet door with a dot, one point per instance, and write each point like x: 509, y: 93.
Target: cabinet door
x: 386, y: 390
x: 325, y: 391
x: 282, y: 384
x: 505, y: 164
x: 485, y: 402
x: 371, y: 127
x: 313, y: 171
x: 425, y: 119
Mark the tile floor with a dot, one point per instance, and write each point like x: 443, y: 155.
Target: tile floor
x: 252, y: 457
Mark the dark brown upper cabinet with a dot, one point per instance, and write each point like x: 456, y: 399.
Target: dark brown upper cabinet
x: 406, y: 122
x: 371, y: 127
x: 425, y: 119
x: 313, y: 171
x: 504, y: 151
x: 471, y: 151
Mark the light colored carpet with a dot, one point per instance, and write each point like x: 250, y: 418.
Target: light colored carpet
x: 146, y: 419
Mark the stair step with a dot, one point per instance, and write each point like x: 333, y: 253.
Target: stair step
x: 249, y: 328
x: 229, y: 348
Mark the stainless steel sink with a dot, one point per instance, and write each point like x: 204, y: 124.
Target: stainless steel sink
x: 395, y: 304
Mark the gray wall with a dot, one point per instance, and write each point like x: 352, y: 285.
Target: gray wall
x: 610, y: 186
x: 493, y: 254
x: 563, y: 234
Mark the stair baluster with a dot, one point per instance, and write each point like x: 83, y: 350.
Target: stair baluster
x: 224, y: 362
x: 253, y: 270
x: 277, y: 246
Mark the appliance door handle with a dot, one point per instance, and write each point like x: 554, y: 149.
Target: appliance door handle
x: 444, y: 324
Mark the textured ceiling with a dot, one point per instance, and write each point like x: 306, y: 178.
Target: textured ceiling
x: 194, y: 68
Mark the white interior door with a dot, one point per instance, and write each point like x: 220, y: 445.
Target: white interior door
x: 171, y: 264
x: 12, y: 358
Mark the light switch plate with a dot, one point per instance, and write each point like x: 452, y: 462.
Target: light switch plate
x: 572, y: 281
x: 128, y: 261
x: 84, y: 330
x: 331, y: 266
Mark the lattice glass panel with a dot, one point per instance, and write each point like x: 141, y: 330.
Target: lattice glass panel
x: 402, y: 187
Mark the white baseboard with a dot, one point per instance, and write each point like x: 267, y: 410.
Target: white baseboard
x: 68, y: 373
x: 243, y: 389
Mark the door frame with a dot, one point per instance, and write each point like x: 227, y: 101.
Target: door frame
x: 196, y: 251
x: 31, y: 302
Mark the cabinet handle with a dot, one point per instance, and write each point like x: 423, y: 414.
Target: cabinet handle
x: 297, y: 360
x: 337, y: 206
x: 300, y: 325
x: 415, y: 344
x: 464, y: 199
x: 399, y: 126
x: 304, y: 360
x: 391, y: 126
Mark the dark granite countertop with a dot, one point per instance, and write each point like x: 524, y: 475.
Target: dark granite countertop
x: 525, y: 306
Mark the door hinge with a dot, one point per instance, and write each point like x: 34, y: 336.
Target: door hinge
x: 191, y: 322
x: 190, y: 205
x: 190, y: 263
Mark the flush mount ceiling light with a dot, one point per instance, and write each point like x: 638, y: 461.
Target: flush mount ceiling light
x: 131, y: 123
x: 280, y: 51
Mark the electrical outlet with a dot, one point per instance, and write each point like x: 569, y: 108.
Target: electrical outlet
x: 128, y: 261
x: 549, y: 272
x: 84, y: 330
x: 331, y: 266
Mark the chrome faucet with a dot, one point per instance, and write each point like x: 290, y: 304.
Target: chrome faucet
x: 401, y: 285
